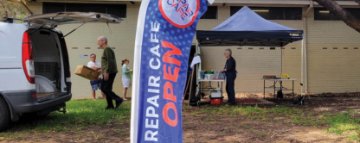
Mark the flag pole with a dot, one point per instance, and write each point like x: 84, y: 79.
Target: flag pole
x: 136, y: 73
x: 137, y: 102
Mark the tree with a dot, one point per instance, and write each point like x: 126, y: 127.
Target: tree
x: 345, y: 15
x: 13, y: 9
x: 357, y: 1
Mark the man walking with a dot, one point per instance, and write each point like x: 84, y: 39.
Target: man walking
x: 230, y: 73
x: 109, y: 71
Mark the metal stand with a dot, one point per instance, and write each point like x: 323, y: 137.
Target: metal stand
x: 274, y: 81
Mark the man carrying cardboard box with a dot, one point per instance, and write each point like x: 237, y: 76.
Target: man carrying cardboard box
x: 109, y: 71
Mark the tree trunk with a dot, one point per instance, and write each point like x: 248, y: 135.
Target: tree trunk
x: 346, y: 16
x: 2, y: 5
x: 357, y: 1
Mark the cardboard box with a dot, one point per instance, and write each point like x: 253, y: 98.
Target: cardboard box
x: 86, y: 72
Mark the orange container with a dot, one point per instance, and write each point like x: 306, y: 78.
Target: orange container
x: 216, y: 101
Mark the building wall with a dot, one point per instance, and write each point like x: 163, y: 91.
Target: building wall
x: 335, y: 69
x: 333, y: 57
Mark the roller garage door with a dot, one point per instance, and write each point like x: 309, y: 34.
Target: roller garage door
x: 252, y: 64
x: 334, y: 69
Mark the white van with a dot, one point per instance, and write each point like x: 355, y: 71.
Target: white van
x: 34, y: 64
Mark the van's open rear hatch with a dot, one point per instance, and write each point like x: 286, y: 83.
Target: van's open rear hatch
x: 54, y: 19
x: 49, y: 49
x: 48, y: 64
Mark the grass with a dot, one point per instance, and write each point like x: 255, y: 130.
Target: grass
x: 345, y: 123
x: 84, y: 113
x: 80, y: 114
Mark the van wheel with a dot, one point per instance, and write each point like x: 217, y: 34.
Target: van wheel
x: 4, y: 115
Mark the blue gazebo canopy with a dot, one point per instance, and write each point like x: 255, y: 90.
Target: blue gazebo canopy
x: 248, y: 28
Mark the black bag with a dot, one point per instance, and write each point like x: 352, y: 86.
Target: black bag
x: 299, y: 100
x: 280, y: 94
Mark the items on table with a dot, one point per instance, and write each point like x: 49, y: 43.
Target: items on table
x: 212, y: 75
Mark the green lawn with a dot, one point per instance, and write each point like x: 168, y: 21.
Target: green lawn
x: 84, y: 113
x: 80, y: 114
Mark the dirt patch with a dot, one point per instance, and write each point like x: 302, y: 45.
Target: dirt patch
x: 278, y: 129
x: 245, y: 131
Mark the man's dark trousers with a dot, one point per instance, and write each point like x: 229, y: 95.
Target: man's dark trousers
x: 106, y: 87
x: 230, y: 84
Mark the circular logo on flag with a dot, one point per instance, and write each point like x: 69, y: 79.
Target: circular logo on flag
x: 180, y: 13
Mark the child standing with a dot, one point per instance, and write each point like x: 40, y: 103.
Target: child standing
x: 95, y: 84
x: 125, y: 76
